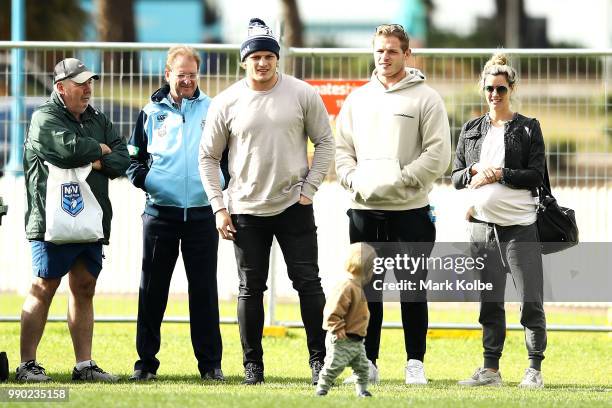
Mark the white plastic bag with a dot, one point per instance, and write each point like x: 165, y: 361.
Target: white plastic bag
x: 73, y: 215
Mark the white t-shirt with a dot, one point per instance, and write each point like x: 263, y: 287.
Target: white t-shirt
x: 495, y: 202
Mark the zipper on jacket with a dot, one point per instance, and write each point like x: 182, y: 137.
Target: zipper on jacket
x: 185, y: 156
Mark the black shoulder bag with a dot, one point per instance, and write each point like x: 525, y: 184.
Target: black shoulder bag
x: 556, y: 225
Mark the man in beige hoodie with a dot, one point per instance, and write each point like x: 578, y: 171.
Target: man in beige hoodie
x: 392, y: 143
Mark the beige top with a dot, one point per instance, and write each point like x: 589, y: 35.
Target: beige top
x: 392, y: 144
x: 347, y: 307
x: 267, y: 133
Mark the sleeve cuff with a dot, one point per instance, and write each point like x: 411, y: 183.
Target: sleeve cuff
x: 407, y: 179
x: 217, y: 204
x: 468, y: 175
x: 308, y: 190
x: 504, y: 174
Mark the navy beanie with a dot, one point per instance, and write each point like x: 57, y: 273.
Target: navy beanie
x: 259, y: 38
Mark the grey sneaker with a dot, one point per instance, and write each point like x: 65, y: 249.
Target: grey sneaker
x: 372, y: 375
x: 415, y: 373
x: 93, y: 373
x: 214, y: 374
x: 142, y: 375
x: 253, y: 374
x: 31, y: 371
x: 532, y: 379
x: 315, y: 369
x: 482, y: 377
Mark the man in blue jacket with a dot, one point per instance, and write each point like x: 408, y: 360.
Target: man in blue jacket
x: 164, y: 163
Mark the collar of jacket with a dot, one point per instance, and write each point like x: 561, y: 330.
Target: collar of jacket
x: 485, y: 123
x: 57, y: 100
x: 515, y: 116
x: 161, y: 95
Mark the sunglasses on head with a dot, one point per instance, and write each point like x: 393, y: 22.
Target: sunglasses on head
x: 501, y: 90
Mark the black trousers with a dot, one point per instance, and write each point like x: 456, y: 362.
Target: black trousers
x: 296, y: 234
x: 198, y: 242
x: 396, y: 226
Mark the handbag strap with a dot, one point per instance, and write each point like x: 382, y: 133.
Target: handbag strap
x: 545, y: 187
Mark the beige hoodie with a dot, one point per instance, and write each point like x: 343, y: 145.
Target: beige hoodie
x: 392, y: 144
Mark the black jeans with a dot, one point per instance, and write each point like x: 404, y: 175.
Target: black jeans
x: 395, y: 226
x: 522, y: 258
x: 296, y: 234
x: 198, y: 243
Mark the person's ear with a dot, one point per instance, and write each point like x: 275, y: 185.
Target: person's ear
x: 407, y: 54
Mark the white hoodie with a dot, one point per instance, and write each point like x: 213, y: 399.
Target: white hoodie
x: 392, y: 144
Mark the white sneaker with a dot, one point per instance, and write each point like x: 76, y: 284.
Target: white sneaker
x: 31, y: 371
x: 415, y: 373
x: 532, y: 379
x: 482, y: 377
x: 372, y: 375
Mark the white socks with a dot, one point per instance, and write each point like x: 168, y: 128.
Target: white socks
x: 84, y: 364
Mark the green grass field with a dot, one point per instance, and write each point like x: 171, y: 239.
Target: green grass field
x: 577, y: 369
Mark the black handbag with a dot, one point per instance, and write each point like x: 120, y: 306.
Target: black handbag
x: 557, y: 226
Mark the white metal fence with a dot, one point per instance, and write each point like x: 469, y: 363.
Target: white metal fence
x: 568, y: 90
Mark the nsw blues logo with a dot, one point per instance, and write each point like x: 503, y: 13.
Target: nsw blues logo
x: 72, y: 200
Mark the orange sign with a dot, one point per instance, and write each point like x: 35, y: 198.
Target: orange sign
x: 334, y: 92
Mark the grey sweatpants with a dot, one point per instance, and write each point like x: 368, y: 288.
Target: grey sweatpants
x: 338, y: 355
x: 519, y: 254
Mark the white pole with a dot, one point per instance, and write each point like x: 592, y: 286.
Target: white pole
x: 270, y: 319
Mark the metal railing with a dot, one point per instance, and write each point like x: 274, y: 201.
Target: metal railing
x: 568, y: 90
x: 297, y: 324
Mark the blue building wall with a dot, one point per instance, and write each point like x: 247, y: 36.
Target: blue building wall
x: 164, y: 21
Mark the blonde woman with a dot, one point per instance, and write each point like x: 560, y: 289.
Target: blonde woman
x: 500, y: 158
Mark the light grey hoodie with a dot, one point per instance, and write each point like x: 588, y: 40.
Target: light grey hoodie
x: 392, y: 144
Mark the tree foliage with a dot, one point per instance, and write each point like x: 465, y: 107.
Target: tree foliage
x: 48, y: 20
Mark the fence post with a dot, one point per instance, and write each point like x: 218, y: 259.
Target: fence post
x: 270, y: 316
x: 280, y: 30
x: 15, y: 164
